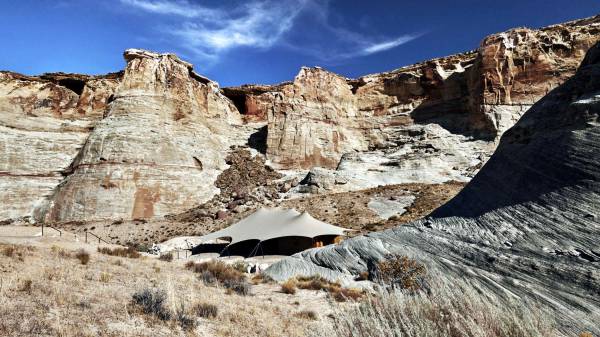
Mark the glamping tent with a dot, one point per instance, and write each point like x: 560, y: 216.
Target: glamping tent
x: 274, y: 232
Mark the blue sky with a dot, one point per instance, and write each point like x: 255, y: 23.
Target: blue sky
x: 252, y: 41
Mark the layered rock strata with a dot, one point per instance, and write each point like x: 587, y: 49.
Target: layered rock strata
x: 527, y: 225
x: 477, y: 94
x: 44, y: 122
x: 158, y: 150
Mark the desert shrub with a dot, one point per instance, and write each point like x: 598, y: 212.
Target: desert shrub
x: 83, y: 256
x: 26, y: 286
x: 343, y: 294
x: 334, y: 289
x: 105, y: 277
x: 400, y: 271
x: 152, y: 302
x: 448, y: 309
x: 217, y: 269
x: 206, y: 310
x: 307, y: 314
x: 14, y: 251
x: 168, y: 257
x: 186, y: 321
x: 9, y: 251
x: 289, y: 287
x: 129, y: 252
x: 240, y: 287
x: 314, y: 282
x: 240, y: 266
x: 262, y: 278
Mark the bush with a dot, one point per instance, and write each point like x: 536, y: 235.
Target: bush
x: 168, y: 257
x: 83, y: 256
x: 129, y: 252
x: 240, y: 287
x: 240, y: 266
x: 105, y: 277
x: 26, y: 286
x: 186, y: 321
x: 289, y: 287
x: 400, y: 271
x: 334, y: 289
x: 206, y: 310
x: 452, y: 309
x: 9, y: 251
x: 152, y: 302
x: 307, y: 314
x: 219, y: 271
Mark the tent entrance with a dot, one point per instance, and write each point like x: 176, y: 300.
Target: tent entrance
x: 287, y: 245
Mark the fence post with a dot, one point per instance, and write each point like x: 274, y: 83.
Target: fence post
x: 85, y: 236
x: 42, y: 229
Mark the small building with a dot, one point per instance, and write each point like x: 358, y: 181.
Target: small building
x: 272, y: 231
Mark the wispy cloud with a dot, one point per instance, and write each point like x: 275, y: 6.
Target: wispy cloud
x: 211, y: 31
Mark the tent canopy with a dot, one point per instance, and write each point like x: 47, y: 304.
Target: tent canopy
x: 272, y: 223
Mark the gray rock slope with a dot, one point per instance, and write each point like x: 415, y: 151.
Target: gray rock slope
x: 528, y: 225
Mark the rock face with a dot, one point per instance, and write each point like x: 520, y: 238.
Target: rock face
x: 44, y: 121
x: 151, y: 140
x: 313, y: 121
x: 158, y: 150
x: 527, y: 225
x: 319, y: 118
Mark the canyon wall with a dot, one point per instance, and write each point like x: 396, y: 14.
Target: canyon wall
x: 477, y: 94
x: 152, y: 140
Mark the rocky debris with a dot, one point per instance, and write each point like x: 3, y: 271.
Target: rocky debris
x: 144, y: 158
x: 244, y: 186
x: 508, y: 230
x: 44, y: 121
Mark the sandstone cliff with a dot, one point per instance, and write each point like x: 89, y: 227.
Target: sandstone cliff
x: 153, y: 139
x: 158, y: 150
x: 480, y: 93
x: 527, y: 225
x: 44, y: 122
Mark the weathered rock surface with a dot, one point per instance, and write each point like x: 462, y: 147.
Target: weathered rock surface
x: 44, y: 121
x: 318, y: 119
x: 313, y: 121
x: 527, y: 225
x: 159, y: 149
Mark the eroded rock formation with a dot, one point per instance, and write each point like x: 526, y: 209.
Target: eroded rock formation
x: 44, y: 122
x: 477, y: 94
x: 527, y: 225
x: 158, y: 150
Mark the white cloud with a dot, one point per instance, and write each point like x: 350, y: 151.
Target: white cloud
x: 386, y: 45
x: 210, y: 32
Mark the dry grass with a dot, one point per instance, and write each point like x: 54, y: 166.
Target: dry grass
x: 401, y: 271
x: 128, y: 252
x: 308, y: 314
x: 167, y: 257
x: 289, y: 287
x: 206, y: 310
x: 448, y: 310
x: 68, y: 299
x: 83, y: 256
x: 334, y: 289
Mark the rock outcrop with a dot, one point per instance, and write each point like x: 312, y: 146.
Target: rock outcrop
x: 318, y: 118
x: 158, y: 150
x: 528, y: 225
x: 44, y: 121
x: 313, y: 121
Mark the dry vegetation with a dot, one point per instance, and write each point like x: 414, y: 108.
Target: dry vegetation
x: 315, y: 282
x: 47, y: 291
x: 448, y: 310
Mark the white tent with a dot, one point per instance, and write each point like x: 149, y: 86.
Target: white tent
x: 266, y: 224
